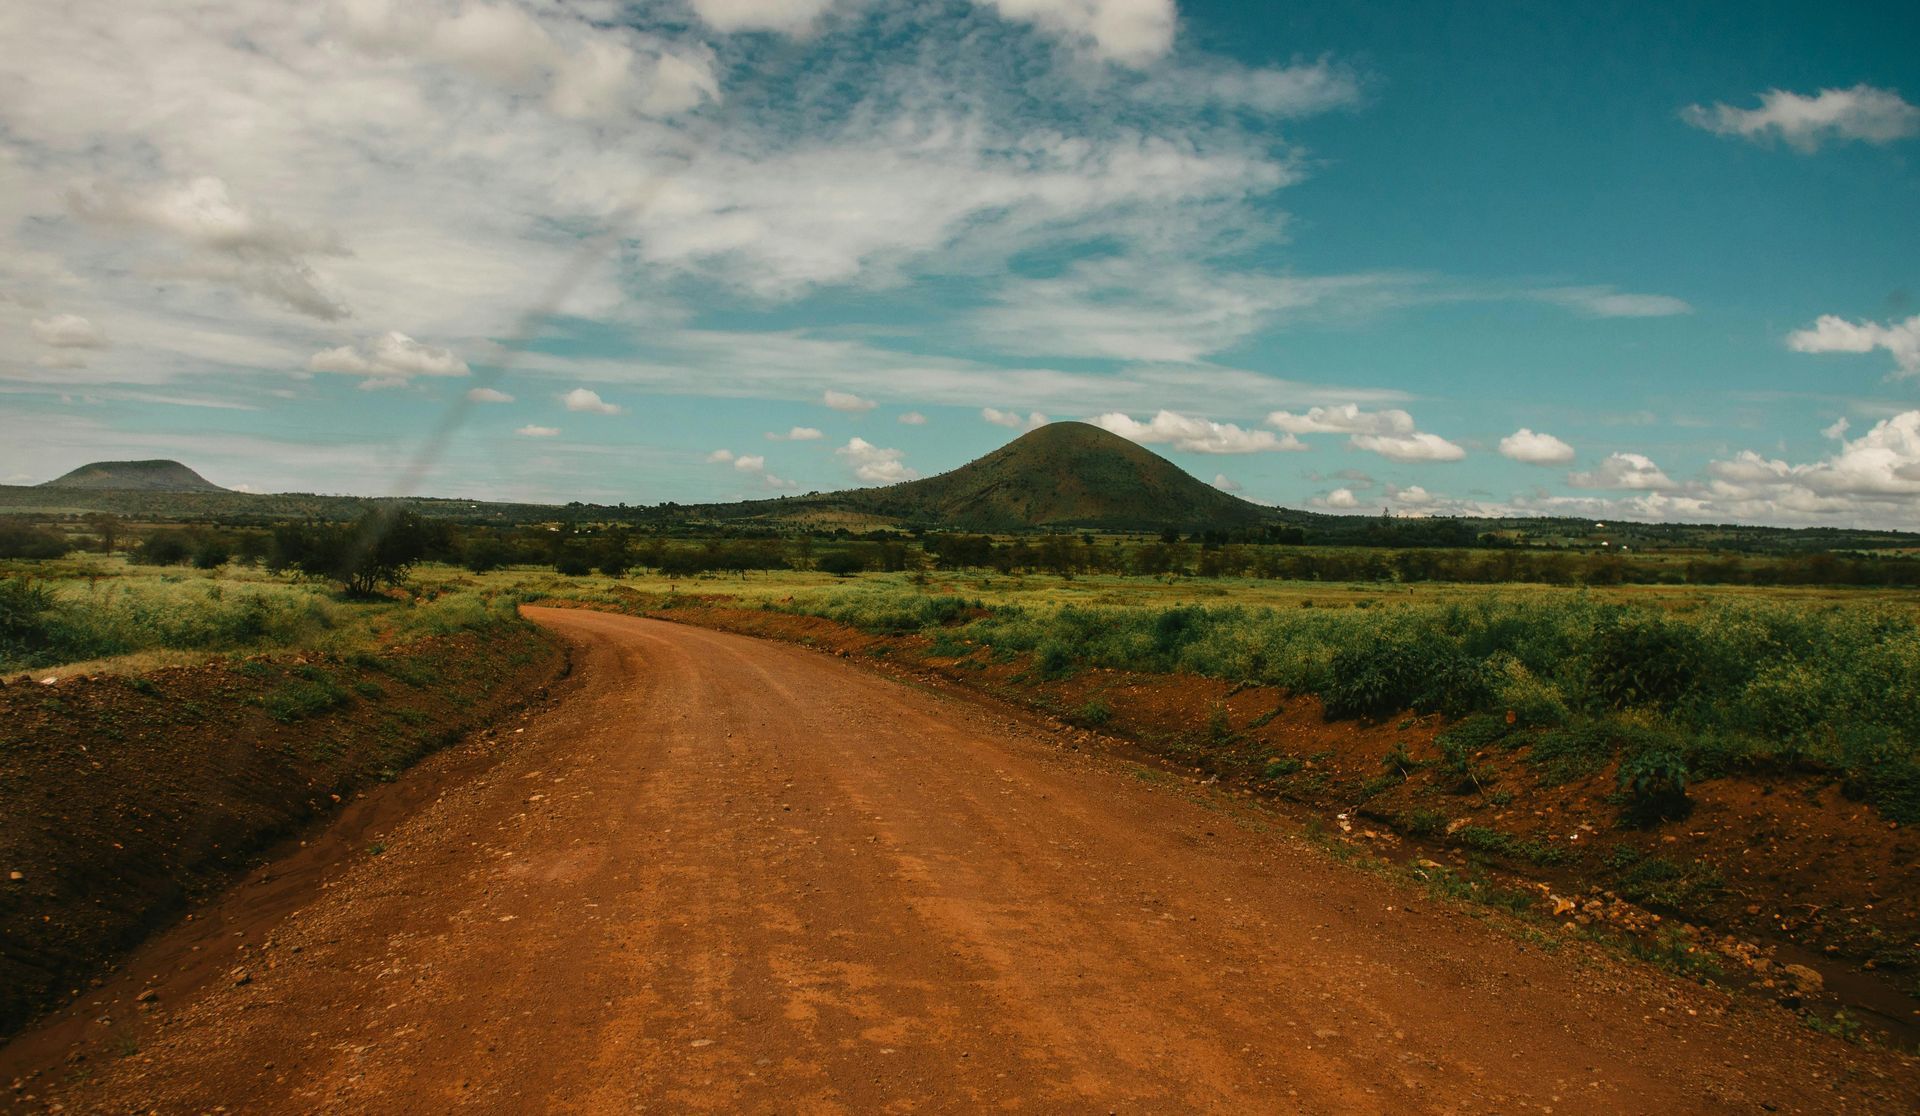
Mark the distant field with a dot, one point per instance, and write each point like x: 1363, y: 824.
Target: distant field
x: 113, y: 615
x: 95, y: 614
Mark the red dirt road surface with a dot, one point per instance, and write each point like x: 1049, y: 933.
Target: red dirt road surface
x: 721, y: 874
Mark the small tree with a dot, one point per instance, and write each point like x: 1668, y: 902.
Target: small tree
x: 841, y: 563
x: 376, y: 550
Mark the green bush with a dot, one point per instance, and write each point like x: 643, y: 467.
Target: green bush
x: 1386, y: 676
x: 1644, y: 660
x: 1653, y: 783
x: 23, y: 619
x: 23, y: 540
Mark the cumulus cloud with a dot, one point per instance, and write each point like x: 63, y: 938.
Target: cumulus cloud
x: 488, y: 395
x: 1225, y: 483
x: 1012, y: 420
x: 848, y: 402
x: 1412, y: 496
x: 1339, y: 498
x: 532, y: 431
x: 874, y: 464
x: 1535, y: 448
x: 1834, y: 334
x: 1345, y: 418
x: 67, y: 331
x: 1194, y: 435
x: 587, y: 402
x: 1624, y: 470
x: 913, y: 418
x: 796, y: 434
x: 1862, y: 113
x: 1390, y: 432
x: 1408, y: 447
x: 1131, y: 32
x: 1883, y: 462
x: 752, y: 464
x: 389, y: 360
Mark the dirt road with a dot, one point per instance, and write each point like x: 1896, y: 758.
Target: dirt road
x: 722, y: 874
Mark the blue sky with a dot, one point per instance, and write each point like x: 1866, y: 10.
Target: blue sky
x: 1493, y: 258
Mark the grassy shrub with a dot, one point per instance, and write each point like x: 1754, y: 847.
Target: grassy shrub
x: 1718, y: 686
x: 305, y: 697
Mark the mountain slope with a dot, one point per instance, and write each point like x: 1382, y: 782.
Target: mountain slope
x: 143, y: 476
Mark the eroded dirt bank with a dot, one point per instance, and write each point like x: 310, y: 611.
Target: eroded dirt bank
x: 724, y: 874
x: 123, y: 800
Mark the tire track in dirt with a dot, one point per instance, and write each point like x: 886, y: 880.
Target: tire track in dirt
x: 727, y: 875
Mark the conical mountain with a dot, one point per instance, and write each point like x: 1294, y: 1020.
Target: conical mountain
x: 1064, y: 474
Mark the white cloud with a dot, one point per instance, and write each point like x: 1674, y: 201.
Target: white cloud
x: 1408, y: 447
x: 488, y: 395
x: 1624, y: 470
x: 1339, y: 498
x: 1147, y: 307
x: 587, y: 402
x: 1838, y: 429
x: 912, y: 418
x: 752, y: 464
x: 874, y: 464
x: 1834, y: 334
x: 1132, y: 32
x: 1270, y: 91
x: 1390, y: 433
x: 67, y: 331
x: 1412, y: 496
x: 847, y: 401
x: 785, y: 16
x: 796, y: 434
x: 1012, y: 420
x: 388, y: 360
x: 1605, y: 302
x: 229, y: 244
x: 1861, y: 113
x: 1225, y: 483
x: 532, y: 431
x: 1535, y: 448
x: 1883, y: 462
x: 1344, y: 418
x: 1194, y: 435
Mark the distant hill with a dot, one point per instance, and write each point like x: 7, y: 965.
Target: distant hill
x: 1065, y: 474
x: 139, y: 476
